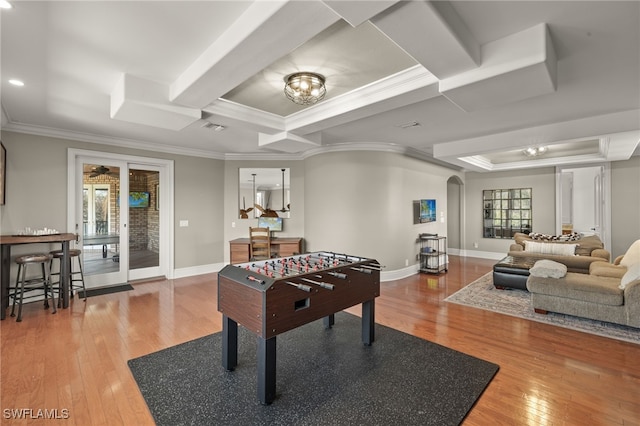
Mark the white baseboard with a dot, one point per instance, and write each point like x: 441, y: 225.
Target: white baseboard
x: 384, y: 275
x: 399, y: 273
x: 482, y: 254
x: 198, y: 270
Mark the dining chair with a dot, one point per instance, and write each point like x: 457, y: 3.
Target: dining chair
x: 259, y: 243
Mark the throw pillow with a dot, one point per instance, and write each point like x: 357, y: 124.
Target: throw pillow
x: 632, y: 256
x: 574, y: 236
x: 548, y: 269
x: 550, y: 248
x: 632, y: 274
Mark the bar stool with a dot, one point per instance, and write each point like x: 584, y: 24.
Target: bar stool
x: 73, y: 275
x: 24, y: 285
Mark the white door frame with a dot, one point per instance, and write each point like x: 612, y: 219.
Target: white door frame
x: 605, y: 192
x: 166, y: 168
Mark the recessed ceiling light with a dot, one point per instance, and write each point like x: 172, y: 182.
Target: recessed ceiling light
x: 16, y: 82
x: 535, y: 151
x: 4, y: 4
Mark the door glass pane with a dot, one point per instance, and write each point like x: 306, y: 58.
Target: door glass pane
x: 101, y: 219
x: 144, y: 219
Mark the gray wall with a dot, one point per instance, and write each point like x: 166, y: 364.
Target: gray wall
x: 625, y: 200
x: 542, y: 181
x: 355, y: 202
x: 625, y: 204
x: 362, y: 203
x: 37, y: 193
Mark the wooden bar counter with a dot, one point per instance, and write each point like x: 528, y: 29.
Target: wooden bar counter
x: 6, y: 241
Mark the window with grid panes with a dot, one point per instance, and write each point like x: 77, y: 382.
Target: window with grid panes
x: 505, y: 212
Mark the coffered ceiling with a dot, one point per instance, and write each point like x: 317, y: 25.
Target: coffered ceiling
x: 467, y: 84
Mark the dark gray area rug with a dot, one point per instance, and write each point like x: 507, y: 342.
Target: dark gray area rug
x: 106, y: 290
x: 324, y: 377
x: 483, y: 295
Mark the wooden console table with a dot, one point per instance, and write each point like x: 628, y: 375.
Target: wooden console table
x: 280, y: 247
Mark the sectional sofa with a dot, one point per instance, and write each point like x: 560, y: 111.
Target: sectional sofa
x: 609, y: 292
x: 577, y: 255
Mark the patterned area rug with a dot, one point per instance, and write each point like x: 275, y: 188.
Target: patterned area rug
x: 483, y: 295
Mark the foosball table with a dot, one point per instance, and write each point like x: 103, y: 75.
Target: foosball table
x: 273, y: 296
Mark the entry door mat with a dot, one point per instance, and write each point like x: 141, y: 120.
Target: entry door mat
x: 106, y: 290
x: 323, y: 377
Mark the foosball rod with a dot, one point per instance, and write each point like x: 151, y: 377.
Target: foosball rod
x: 302, y: 287
x: 346, y: 257
x: 320, y: 284
x: 372, y: 267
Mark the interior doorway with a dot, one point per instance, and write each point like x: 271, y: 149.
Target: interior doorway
x: 583, y: 200
x: 123, y: 228
x: 455, y: 202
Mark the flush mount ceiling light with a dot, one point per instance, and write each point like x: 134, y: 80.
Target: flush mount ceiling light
x: 16, y: 82
x: 535, y: 151
x: 304, y: 88
x: 4, y: 4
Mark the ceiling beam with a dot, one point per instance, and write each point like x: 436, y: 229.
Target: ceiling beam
x: 141, y: 101
x: 516, y: 67
x: 359, y: 11
x: 265, y: 32
x: 433, y: 33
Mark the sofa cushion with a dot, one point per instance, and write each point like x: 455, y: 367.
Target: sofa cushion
x: 550, y: 248
x: 548, y: 269
x: 606, y: 269
x: 586, y: 244
x: 632, y: 274
x: 588, y: 288
x: 632, y: 256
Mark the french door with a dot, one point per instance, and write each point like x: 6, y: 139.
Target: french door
x: 124, y: 231
x: 103, y: 231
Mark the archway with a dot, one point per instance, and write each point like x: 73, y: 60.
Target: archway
x: 455, y: 205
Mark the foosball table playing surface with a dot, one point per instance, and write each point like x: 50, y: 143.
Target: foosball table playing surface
x: 270, y: 297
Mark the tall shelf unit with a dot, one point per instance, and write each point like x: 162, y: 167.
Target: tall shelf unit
x: 433, y: 253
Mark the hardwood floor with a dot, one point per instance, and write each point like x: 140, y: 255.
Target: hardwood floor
x: 75, y: 361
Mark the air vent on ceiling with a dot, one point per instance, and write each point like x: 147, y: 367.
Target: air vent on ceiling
x: 213, y: 126
x: 409, y: 124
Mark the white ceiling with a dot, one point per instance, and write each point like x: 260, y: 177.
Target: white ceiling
x: 483, y: 79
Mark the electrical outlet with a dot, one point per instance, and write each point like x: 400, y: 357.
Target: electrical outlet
x: 475, y: 245
x: 406, y: 262
x: 184, y: 223
x: 233, y: 224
